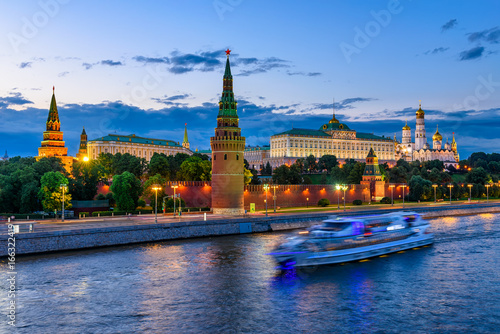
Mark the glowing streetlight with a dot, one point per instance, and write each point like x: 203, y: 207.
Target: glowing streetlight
x: 85, y: 159
x: 344, y: 188
x: 266, y: 188
x: 470, y: 191
x: 404, y: 186
x: 434, y: 186
x: 450, y: 186
x: 487, y: 195
x: 307, y: 202
x: 392, y: 193
x: 156, y: 188
x: 338, y: 187
x: 174, y: 187
x: 63, y: 187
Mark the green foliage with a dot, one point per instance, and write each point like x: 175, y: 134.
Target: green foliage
x: 126, y: 190
x: 50, y: 192
x: 248, y: 176
x: 141, y: 203
x: 357, y: 202
x: 286, y: 175
x: 111, y: 199
x: 195, y: 169
x: 267, y: 170
x: 299, y: 164
x: 306, y: 180
x: 356, y: 173
x: 327, y: 162
x: 100, y: 197
x: 310, y: 164
x: 128, y: 163
x: 385, y: 200
x: 477, y: 175
x: 85, y: 178
x: 159, y: 165
x: 420, y: 189
x: 170, y: 203
x: 324, y: 202
x: 255, y: 177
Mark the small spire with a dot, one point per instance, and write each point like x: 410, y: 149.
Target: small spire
x: 420, y: 104
x: 53, y: 89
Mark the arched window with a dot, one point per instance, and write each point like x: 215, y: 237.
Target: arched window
x: 215, y: 157
x: 225, y: 156
x: 237, y: 157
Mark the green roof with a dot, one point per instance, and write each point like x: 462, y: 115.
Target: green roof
x: 334, y: 126
x: 304, y: 132
x: 204, y: 151
x: 258, y: 148
x: 137, y: 140
x: 362, y: 135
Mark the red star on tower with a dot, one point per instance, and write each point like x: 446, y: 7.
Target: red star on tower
x: 228, y: 52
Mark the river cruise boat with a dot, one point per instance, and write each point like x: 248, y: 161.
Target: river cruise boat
x: 339, y: 240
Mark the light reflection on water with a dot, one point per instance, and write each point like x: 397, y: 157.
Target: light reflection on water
x: 229, y: 284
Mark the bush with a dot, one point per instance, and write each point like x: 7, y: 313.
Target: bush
x: 100, y: 197
x: 385, y: 200
x: 141, y: 203
x: 84, y: 214
x: 357, y: 202
x: 323, y: 202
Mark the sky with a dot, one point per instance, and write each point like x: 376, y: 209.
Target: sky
x: 149, y: 67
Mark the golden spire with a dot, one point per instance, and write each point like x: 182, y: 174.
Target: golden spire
x: 420, y: 113
x: 437, y: 135
x: 406, y: 127
x: 333, y: 120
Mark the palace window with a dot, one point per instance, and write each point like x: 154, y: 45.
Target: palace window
x: 225, y: 156
x: 237, y: 157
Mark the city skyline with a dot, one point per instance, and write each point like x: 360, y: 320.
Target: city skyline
x: 376, y: 59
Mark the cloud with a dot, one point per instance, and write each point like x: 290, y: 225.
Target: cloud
x: 172, y: 100
x: 111, y: 63
x: 205, y: 62
x: 15, y: 98
x: 151, y: 60
x: 490, y: 35
x: 436, y: 50
x: 449, y: 25
x: 473, y: 53
x: 63, y: 74
x: 309, y: 74
x: 25, y: 64
x: 87, y: 66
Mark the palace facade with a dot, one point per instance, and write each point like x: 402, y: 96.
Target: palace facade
x: 137, y: 146
x: 420, y: 149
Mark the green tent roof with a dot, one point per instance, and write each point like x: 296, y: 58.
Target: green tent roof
x: 304, y: 132
x: 137, y: 140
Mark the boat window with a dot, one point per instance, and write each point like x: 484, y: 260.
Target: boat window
x: 411, y: 218
x: 335, y: 227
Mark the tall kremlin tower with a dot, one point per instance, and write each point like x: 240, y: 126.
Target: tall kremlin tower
x: 53, y: 143
x: 185, y: 142
x: 82, y: 150
x: 227, y: 154
x: 420, y: 139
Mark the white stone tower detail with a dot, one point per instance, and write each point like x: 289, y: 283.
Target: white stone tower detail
x: 406, y: 134
x: 420, y: 139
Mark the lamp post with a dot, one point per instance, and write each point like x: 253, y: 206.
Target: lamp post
x: 434, y: 186
x: 307, y: 202
x: 487, y: 195
x: 156, y: 188
x: 174, y: 187
x: 450, y: 186
x: 63, y: 188
x: 266, y: 188
x: 392, y: 194
x: 344, y: 188
x: 404, y: 186
x: 274, y: 197
x: 338, y: 196
x: 470, y: 191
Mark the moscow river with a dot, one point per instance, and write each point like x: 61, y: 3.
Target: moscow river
x: 229, y: 285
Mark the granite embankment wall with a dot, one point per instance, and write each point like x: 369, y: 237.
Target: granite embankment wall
x: 40, y: 242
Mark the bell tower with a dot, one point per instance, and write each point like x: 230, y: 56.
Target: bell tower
x: 227, y: 153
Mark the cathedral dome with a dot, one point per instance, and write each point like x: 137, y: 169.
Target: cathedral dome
x: 406, y: 127
x: 333, y: 120
x: 420, y: 113
x: 437, y: 136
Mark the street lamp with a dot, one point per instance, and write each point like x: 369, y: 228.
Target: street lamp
x: 470, y: 191
x: 174, y: 187
x: 266, y: 188
x: 344, y: 188
x: 404, y: 186
x: 392, y: 193
x: 274, y: 197
x: 338, y: 196
x: 63, y: 187
x: 156, y: 188
x: 450, y: 186
x: 487, y: 195
x: 434, y: 186
x: 307, y: 202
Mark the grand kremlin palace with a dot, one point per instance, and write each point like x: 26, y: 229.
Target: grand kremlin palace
x: 333, y: 138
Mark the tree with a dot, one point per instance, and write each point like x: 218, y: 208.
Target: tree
x: 195, y: 169
x: 327, y: 162
x: 50, y: 192
x: 356, y: 174
x: 149, y: 193
x: 128, y: 163
x: 248, y: 176
x: 126, y: 190
x: 299, y: 163
x: 175, y: 162
x: 201, y: 156
x: 286, y: 175
x: 477, y: 175
x: 310, y: 164
x: 267, y: 170
x: 159, y: 165
x: 419, y: 188
x: 255, y: 177
x: 86, y: 176
x: 246, y: 164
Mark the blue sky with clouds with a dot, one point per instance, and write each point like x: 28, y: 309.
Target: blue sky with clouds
x: 148, y: 67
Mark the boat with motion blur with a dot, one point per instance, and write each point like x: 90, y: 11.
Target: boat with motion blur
x: 339, y: 240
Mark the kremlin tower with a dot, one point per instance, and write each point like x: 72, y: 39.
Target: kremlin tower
x: 185, y: 142
x: 420, y: 139
x: 227, y: 154
x: 53, y: 143
x: 82, y: 151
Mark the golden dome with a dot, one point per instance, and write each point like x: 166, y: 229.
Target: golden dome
x: 420, y: 113
x: 406, y: 127
x: 437, y: 136
x: 334, y: 120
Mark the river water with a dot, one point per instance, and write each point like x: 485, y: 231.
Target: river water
x: 229, y: 285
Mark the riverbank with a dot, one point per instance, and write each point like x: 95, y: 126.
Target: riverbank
x: 122, y: 231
